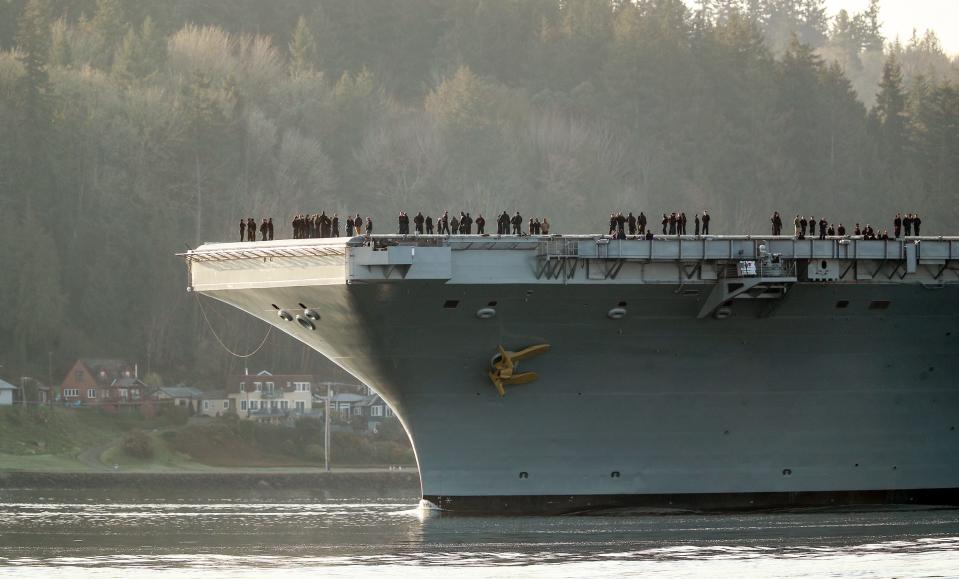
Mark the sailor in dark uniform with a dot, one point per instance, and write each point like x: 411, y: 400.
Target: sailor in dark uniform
x: 242, y: 229
x: 812, y: 226
x: 665, y: 223
x: 705, y: 222
x: 480, y: 224
x: 822, y: 226
x: 429, y: 225
x: 418, y: 222
x: 641, y: 223
x: 517, y: 222
x: 907, y: 224
x: 269, y: 228
x: 263, y: 229
x: 631, y: 223
x: 349, y: 226
x: 250, y: 229
x: 916, y: 222
x: 336, y: 225
x: 897, y: 225
x: 696, y: 224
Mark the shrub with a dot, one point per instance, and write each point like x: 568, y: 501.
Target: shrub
x: 138, y: 445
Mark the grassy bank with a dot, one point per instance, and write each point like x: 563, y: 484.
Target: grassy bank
x: 77, y: 440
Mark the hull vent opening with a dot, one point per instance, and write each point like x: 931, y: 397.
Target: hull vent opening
x: 879, y: 305
x: 614, y: 474
x: 311, y: 314
x: 787, y: 472
x: 305, y: 323
x: 485, y: 313
x: 450, y: 304
x: 842, y: 304
x: 524, y: 475
x: 285, y: 315
x: 616, y: 313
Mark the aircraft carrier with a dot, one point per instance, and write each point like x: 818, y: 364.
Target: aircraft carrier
x: 558, y: 373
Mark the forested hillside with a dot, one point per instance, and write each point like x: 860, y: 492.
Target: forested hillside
x: 131, y: 129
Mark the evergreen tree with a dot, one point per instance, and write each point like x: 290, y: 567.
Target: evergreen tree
x: 889, y: 111
x: 302, y: 49
x: 33, y: 40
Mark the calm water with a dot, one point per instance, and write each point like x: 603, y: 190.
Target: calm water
x: 275, y: 534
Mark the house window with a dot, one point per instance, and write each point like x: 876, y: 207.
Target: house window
x: 226, y: 404
x: 71, y: 392
x: 285, y: 404
x: 206, y: 404
x: 242, y: 404
x: 273, y: 404
x: 269, y: 387
x: 358, y: 411
x: 389, y: 411
x: 300, y: 406
x: 91, y: 392
x: 136, y: 393
x: 301, y: 386
x: 78, y: 376
x: 254, y: 404
x: 376, y: 410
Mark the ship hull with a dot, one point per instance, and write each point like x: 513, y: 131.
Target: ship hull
x: 798, y: 404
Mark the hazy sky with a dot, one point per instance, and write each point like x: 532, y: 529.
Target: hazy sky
x: 899, y: 17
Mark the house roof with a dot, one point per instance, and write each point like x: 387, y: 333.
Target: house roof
x: 182, y: 391
x: 214, y: 395
x: 111, y: 368
x: 373, y: 400
x: 126, y: 382
x: 7, y: 386
x: 348, y: 397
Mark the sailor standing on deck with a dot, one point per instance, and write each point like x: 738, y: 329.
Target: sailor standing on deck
x: 269, y: 228
x: 517, y: 222
x: 369, y: 226
x: 418, y: 222
x: 263, y: 229
x: 250, y: 229
x: 545, y: 226
x: 916, y: 222
x: 705, y: 222
x: 631, y: 223
x: 336, y: 225
x: 777, y: 223
x: 696, y: 224
x: 897, y: 225
x: 812, y: 226
x: 358, y: 224
x: 641, y: 223
x: 242, y: 229
x: 907, y: 224
x: 429, y: 225
x: 480, y: 224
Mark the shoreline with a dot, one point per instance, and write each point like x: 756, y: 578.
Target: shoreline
x: 384, y: 481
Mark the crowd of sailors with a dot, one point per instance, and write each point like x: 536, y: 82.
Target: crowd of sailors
x: 802, y: 227
x: 447, y: 224
x: 620, y: 226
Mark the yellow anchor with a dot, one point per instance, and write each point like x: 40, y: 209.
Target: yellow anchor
x: 503, y: 367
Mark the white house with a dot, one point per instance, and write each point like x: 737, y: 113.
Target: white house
x: 6, y: 393
x: 270, y: 398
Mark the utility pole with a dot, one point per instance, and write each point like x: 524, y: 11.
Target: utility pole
x: 326, y: 426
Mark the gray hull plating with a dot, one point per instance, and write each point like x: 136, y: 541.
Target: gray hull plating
x: 805, y: 397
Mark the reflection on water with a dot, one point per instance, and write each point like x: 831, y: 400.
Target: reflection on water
x: 74, y: 534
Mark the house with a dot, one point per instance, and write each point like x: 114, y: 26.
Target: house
x: 370, y: 406
x: 6, y: 393
x: 88, y: 378
x: 180, y: 396
x: 215, y: 403
x: 268, y: 397
x: 128, y: 393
